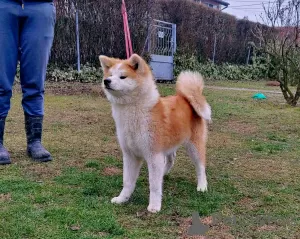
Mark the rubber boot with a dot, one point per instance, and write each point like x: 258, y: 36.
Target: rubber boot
x: 35, y: 149
x: 4, y: 155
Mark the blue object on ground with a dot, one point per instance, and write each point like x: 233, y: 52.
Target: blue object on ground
x: 259, y: 96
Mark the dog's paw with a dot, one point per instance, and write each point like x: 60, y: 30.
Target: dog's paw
x: 119, y: 200
x: 202, y: 187
x: 154, y: 208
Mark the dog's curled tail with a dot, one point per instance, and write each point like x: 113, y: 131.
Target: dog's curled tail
x: 190, y: 86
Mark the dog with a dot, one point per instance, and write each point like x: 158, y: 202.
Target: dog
x: 151, y: 128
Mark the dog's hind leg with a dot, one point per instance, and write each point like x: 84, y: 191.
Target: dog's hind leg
x: 169, y: 162
x: 196, y: 149
x: 131, y: 170
x: 196, y: 152
x: 156, y: 173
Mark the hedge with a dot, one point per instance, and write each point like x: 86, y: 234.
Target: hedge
x: 101, y: 29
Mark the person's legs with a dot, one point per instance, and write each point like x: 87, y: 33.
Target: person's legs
x: 9, y: 40
x: 37, y: 32
x: 36, y: 37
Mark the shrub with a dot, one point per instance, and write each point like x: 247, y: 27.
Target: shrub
x: 256, y: 71
x: 101, y: 29
x: 88, y: 74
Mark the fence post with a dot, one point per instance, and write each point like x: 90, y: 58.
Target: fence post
x: 215, y: 46
x: 174, y: 38
x: 248, y: 56
x: 77, y: 40
x: 148, y: 27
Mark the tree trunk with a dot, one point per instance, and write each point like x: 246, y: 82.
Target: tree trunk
x: 290, y: 98
x: 297, y: 95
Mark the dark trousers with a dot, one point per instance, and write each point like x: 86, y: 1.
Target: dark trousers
x: 26, y: 35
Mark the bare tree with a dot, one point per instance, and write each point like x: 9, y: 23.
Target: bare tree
x: 279, y: 40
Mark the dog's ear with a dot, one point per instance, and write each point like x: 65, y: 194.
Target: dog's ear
x: 105, y: 62
x: 137, y: 63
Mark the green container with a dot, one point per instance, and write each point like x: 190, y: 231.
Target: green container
x: 259, y: 96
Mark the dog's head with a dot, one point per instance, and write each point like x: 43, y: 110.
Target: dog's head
x: 124, y: 80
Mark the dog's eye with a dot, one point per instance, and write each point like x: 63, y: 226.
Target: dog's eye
x: 123, y: 77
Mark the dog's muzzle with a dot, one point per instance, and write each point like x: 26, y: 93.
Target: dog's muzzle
x: 107, y: 83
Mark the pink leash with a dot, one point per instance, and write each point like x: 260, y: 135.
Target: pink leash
x: 126, y: 31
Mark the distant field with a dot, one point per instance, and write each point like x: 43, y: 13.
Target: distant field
x: 253, y: 173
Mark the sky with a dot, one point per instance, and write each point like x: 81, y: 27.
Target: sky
x: 249, y: 8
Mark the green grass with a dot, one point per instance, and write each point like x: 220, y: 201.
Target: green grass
x: 253, y: 174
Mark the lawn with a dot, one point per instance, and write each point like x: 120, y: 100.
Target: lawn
x: 253, y: 173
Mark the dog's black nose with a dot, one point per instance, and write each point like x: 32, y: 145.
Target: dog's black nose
x: 107, y: 82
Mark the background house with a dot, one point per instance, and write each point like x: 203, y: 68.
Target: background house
x: 216, y: 4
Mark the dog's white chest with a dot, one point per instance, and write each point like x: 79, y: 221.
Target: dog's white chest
x: 132, y: 129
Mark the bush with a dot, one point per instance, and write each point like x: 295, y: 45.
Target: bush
x: 88, y: 74
x: 256, y: 71
x: 101, y: 29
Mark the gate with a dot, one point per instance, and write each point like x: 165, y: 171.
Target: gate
x: 162, y: 46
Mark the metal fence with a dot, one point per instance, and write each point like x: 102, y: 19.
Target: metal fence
x: 162, y: 46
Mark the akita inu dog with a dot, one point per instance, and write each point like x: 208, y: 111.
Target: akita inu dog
x: 150, y: 127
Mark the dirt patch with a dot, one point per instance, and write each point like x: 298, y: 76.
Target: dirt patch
x: 70, y: 88
x: 216, y: 231
x: 241, y: 127
x: 110, y: 171
x: 75, y: 228
x: 102, y: 234
x: 247, y: 203
x: 74, y: 89
x: 276, y: 168
x: 184, y: 225
x: 268, y: 228
x: 42, y: 171
x: 5, y: 197
x: 222, y: 140
x: 272, y: 83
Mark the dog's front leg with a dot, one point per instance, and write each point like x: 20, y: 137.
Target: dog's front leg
x: 131, y: 170
x: 156, y: 166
